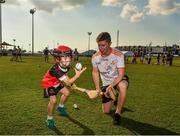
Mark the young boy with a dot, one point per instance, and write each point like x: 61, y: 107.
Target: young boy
x: 56, y: 80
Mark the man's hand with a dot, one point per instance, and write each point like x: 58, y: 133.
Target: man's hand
x: 99, y: 92
x: 108, y: 89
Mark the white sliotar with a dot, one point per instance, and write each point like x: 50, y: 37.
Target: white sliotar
x: 75, y: 106
x: 78, y: 66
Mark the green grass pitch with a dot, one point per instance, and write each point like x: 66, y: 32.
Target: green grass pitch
x: 152, y: 105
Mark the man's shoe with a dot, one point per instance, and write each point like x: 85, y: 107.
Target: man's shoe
x: 50, y: 123
x: 117, y: 119
x: 62, y: 111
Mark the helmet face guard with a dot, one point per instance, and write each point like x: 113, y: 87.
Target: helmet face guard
x: 64, y: 54
x: 64, y: 62
x: 59, y: 55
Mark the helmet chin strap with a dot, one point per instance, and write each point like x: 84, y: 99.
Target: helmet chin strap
x: 64, y: 69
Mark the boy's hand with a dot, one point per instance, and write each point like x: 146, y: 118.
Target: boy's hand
x: 79, y: 72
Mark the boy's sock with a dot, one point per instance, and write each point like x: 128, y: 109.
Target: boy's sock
x: 50, y: 117
x: 60, y: 105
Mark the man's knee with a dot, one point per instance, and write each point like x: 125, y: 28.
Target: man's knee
x: 123, y: 85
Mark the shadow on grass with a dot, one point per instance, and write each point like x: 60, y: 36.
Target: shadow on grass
x: 126, y: 110
x: 175, y: 66
x: 57, y: 131
x: 86, y: 130
x: 19, y: 61
x: 137, y: 127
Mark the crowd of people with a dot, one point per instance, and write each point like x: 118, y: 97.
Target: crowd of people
x: 161, y: 58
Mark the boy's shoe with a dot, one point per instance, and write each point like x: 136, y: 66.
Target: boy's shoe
x: 117, y: 119
x: 50, y: 123
x: 62, y: 111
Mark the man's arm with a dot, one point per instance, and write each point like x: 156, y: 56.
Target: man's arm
x: 95, y: 75
x: 121, y: 72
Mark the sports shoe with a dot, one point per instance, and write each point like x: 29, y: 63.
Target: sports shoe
x: 117, y: 119
x: 50, y: 123
x: 62, y: 111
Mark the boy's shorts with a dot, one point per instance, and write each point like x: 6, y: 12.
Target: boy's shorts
x: 103, y: 89
x: 52, y: 90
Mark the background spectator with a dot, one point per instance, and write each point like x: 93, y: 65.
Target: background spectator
x: 76, y: 54
x: 18, y: 56
x: 14, y: 54
x: 46, y: 54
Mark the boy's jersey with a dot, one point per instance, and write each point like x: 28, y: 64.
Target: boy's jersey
x: 108, y: 66
x: 54, y: 76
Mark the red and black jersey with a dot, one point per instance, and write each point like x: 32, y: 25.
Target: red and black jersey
x: 53, y: 76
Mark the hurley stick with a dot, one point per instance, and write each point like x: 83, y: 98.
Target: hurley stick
x: 93, y: 93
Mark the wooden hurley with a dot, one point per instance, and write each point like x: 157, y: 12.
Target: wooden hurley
x: 93, y: 93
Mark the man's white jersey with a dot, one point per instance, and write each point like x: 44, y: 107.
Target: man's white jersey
x: 108, y: 66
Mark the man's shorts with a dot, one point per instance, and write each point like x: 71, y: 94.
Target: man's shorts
x: 52, y: 90
x: 103, y: 89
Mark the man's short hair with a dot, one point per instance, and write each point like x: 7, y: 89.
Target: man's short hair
x: 104, y: 36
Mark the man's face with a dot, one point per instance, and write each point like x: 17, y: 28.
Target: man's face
x: 64, y: 61
x: 104, y: 47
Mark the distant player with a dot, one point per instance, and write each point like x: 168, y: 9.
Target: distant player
x: 14, y: 54
x: 55, y: 79
x: 19, y: 53
x: 76, y: 55
x: 46, y: 54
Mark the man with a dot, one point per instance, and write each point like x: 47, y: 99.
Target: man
x: 46, y: 54
x: 18, y: 56
x: 76, y: 54
x: 149, y: 58
x: 109, y: 63
x: 14, y: 54
x: 158, y: 59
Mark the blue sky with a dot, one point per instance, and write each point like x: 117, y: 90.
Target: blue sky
x: 68, y: 21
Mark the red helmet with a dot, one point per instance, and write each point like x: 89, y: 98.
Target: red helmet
x: 62, y: 51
